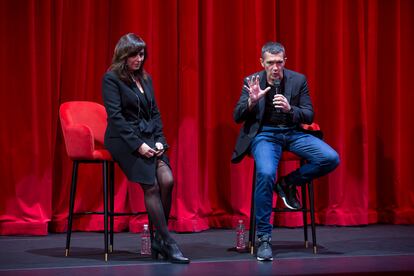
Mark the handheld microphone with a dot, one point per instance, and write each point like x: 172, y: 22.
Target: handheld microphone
x: 276, y: 84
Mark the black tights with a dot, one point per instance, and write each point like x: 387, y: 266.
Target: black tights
x: 158, y: 200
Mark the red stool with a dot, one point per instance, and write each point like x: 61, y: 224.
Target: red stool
x: 83, y: 125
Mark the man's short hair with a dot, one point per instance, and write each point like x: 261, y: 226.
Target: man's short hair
x: 273, y: 48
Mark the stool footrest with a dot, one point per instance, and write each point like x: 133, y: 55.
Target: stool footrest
x: 109, y: 213
x: 283, y: 210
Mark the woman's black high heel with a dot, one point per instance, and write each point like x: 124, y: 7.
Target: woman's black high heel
x: 173, y: 253
x: 157, y: 248
x: 169, y: 251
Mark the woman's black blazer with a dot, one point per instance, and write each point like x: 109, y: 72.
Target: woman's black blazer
x: 132, y: 121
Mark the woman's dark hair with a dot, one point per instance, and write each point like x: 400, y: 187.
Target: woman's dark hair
x: 128, y: 45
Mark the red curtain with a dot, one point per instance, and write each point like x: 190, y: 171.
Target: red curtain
x: 356, y: 54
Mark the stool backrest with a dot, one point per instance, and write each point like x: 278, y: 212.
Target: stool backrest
x: 83, y: 125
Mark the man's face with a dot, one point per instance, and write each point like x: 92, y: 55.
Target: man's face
x: 273, y: 65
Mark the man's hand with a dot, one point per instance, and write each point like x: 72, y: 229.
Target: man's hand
x: 279, y: 101
x: 255, y: 92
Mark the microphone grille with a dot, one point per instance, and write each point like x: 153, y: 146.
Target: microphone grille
x: 277, y: 82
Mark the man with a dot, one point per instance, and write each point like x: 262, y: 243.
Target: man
x: 273, y: 105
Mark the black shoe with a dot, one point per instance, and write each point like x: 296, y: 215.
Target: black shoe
x: 172, y: 253
x: 169, y: 252
x: 288, y: 194
x: 156, y: 248
x: 264, y: 250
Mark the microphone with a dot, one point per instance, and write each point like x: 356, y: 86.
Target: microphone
x: 276, y: 84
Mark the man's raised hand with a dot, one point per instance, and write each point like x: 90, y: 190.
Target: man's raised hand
x: 255, y: 92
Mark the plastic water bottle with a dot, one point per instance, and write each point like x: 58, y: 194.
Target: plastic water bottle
x: 145, y: 241
x: 241, y: 236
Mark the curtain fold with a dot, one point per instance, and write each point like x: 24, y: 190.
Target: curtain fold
x: 356, y: 55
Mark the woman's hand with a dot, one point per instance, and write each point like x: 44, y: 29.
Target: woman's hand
x: 160, y: 149
x: 147, y: 151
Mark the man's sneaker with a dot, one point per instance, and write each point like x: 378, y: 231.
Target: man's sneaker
x: 288, y: 194
x: 264, y: 250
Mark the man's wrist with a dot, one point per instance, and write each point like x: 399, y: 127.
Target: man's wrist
x: 251, y: 102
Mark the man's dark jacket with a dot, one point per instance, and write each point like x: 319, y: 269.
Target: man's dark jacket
x: 297, y: 94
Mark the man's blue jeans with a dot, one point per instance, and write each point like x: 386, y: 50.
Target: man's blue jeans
x: 267, y: 149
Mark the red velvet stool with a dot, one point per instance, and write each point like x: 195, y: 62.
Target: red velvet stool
x: 83, y: 125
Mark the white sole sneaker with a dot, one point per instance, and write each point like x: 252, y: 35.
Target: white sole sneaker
x: 287, y: 204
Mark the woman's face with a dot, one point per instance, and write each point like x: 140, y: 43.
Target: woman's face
x: 134, y: 61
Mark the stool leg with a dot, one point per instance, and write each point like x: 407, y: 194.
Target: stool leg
x: 305, y: 215
x: 151, y: 228
x: 252, y: 230
x: 71, y: 205
x: 111, y: 205
x: 312, y: 213
x: 105, y: 198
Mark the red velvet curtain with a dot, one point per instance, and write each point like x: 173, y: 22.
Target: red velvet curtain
x: 356, y: 54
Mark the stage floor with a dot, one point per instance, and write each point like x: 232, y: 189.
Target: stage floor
x: 373, y: 249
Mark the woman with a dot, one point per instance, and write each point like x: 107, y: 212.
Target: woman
x: 135, y: 138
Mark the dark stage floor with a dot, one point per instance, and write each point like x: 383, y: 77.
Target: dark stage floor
x: 374, y: 249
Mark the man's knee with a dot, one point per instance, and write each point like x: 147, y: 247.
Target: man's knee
x: 266, y: 174
x: 332, y: 160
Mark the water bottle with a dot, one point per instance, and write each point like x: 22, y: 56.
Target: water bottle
x: 145, y: 241
x: 241, y: 236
